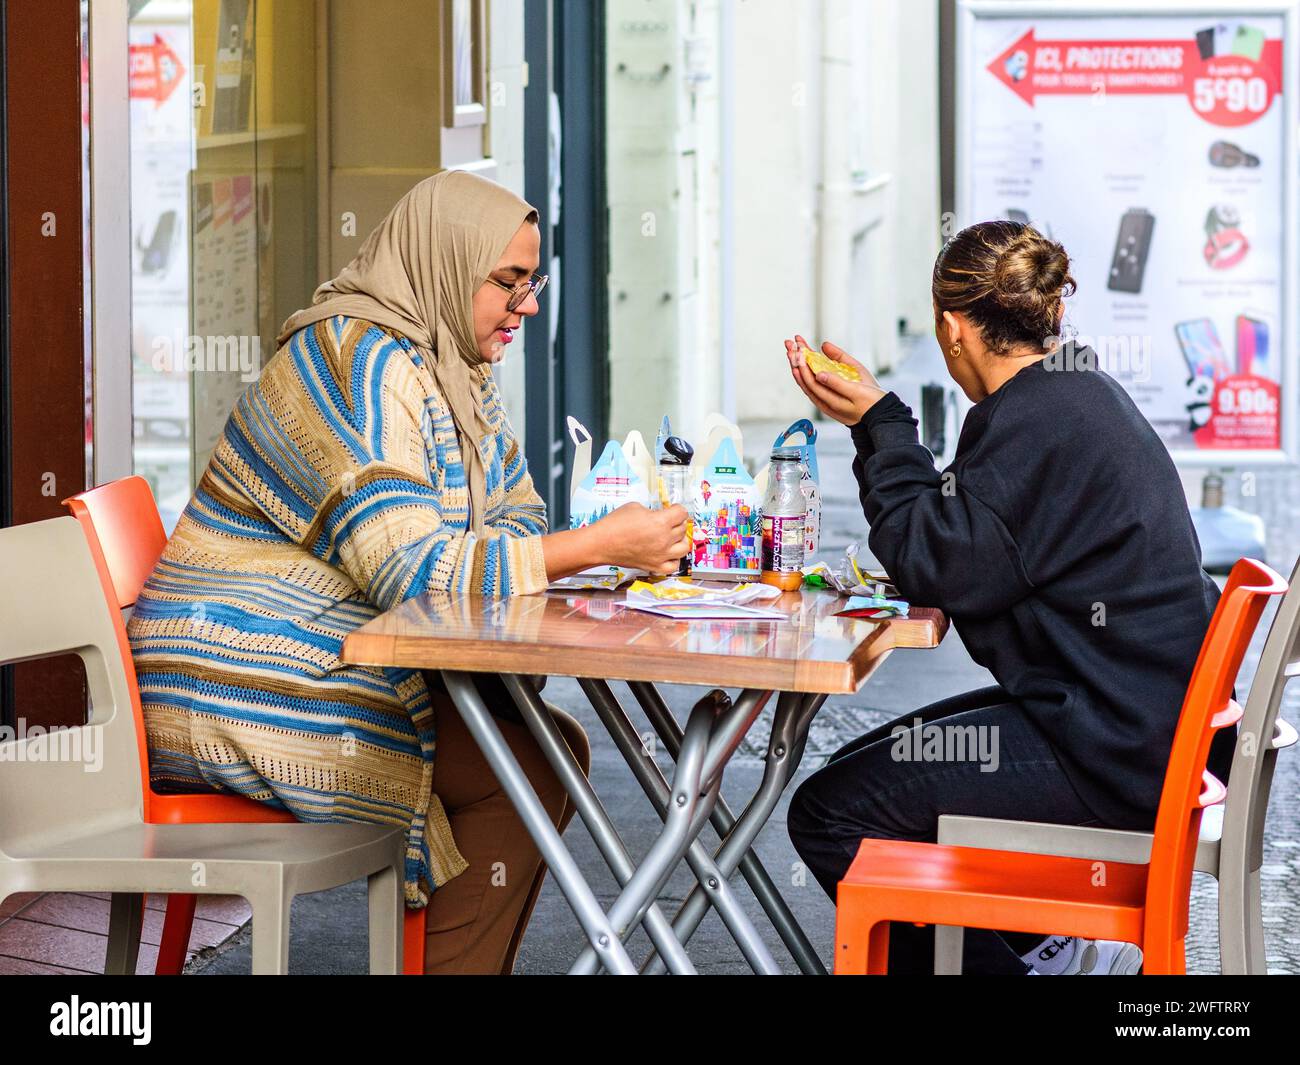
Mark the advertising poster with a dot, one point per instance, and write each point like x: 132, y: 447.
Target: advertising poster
x: 1157, y: 148
x: 162, y: 155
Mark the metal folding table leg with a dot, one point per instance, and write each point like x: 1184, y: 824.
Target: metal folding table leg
x: 794, y: 713
x: 652, y: 782
x: 575, y: 783
x: 681, y: 825
x: 599, y: 930
x: 751, y: 867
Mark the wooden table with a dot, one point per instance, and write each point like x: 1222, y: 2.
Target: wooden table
x: 591, y: 636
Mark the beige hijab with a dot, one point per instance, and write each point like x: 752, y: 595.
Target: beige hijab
x: 417, y: 273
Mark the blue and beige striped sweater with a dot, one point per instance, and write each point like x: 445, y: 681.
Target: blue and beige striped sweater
x: 336, y: 491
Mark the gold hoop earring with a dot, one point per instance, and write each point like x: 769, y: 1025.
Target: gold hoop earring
x: 955, y: 350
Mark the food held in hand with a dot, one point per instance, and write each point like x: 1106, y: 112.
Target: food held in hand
x: 819, y: 363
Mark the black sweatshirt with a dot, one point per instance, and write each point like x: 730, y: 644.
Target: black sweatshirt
x: 1060, y: 544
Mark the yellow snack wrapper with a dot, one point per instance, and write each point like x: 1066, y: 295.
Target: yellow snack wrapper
x: 819, y: 363
x: 668, y: 589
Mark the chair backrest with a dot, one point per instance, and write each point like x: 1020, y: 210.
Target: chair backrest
x: 1255, y: 753
x: 53, y: 603
x: 1208, y: 707
x: 123, y: 526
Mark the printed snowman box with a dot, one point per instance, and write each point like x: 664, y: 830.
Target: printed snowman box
x: 727, y: 517
x: 621, y: 475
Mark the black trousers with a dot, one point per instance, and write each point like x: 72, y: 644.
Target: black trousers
x: 894, y: 782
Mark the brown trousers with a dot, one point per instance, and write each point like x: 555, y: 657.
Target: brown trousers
x: 475, y: 922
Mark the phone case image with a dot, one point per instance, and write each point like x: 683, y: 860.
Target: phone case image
x: 157, y: 253
x: 1252, y: 345
x: 1205, y: 42
x: 1248, y: 43
x: 1132, y: 244
x: 1202, y: 350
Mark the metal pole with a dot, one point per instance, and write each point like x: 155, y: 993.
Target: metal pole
x: 777, y: 773
x: 652, y: 782
x: 600, y: 932
x: 673, y: 841
x: 542, y: 725
x: 751, y: 867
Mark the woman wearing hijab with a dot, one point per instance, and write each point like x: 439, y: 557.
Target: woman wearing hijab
x: 371, y: 462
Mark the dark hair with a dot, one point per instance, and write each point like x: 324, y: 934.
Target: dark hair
x: 1008, y: 279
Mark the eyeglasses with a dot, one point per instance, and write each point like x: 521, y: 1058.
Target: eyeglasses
x: 519, y: 293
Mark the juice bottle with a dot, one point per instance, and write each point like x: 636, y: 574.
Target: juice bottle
x: 785, y: 513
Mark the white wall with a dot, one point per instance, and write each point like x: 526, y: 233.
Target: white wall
x: 915, y: 164
x: 506, y: 99
x: 661, y: 159
x: 834, y: 211
x: 836, y: 141
x: 777, y: 144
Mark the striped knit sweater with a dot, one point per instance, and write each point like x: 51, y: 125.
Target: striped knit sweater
x: 336, y: 492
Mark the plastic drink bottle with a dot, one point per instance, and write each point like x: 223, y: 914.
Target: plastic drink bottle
x: 785, y: 513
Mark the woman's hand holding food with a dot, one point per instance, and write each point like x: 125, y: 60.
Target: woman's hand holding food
x: 838, y: 385
x: 639, y: 538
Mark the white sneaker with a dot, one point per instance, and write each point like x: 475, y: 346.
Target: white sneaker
x: 1104, y: 957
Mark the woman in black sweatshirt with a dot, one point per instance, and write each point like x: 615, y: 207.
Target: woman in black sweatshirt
x: 1059, y: 543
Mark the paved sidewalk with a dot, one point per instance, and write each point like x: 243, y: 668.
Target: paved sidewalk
x: 329, y: 928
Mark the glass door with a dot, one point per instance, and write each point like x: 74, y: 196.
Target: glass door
x: 223, y: 159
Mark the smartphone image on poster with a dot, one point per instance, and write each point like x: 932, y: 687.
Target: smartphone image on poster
x: 1252, y: 345
x: 1215, y: 40
x: 1202, y: 350
x: 156, y: 254
x: 1132, y: 244
x: 1248, y: 42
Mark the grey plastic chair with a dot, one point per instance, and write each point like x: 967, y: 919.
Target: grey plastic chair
x: 1231, y: 847
x: 71, y: 802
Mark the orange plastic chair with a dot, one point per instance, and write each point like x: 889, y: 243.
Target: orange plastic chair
x: 126, y: 538
x: 927, y: 883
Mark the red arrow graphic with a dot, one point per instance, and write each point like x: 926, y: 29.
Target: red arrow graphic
x: 155, y: 70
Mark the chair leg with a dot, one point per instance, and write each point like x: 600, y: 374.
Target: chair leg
x: 1164, y: 957
x: 948, y: 943
x: 177, y: 926
x: 385, y: 906
x: 1256, y: 960
x: 270, y: 932
x: 878, y: 949
x: 126, y: 915
x: 413, y: 927
x: 1234, y: 932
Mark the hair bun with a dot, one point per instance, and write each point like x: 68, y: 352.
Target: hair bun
x: 1008, y: 278
x: 1030, y: 266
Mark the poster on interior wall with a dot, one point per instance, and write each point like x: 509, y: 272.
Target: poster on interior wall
x: 225, y: 352
x: 233, y: 88
x: 1159, y: 149
x: 161, y: 154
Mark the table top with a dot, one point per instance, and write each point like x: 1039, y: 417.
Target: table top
x: 591, y: 634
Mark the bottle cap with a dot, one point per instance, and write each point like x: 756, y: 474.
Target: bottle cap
x: 678, y: 452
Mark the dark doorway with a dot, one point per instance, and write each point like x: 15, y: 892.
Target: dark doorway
x: 564, y: 49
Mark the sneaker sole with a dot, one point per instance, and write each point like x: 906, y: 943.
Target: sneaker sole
x: 1127, y: 962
